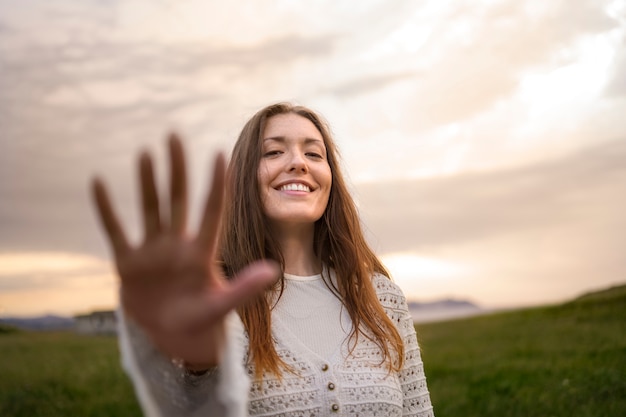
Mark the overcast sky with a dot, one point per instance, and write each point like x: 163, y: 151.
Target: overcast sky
x: 484, y: 141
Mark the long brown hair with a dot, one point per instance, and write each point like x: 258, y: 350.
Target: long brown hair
x: 339, y: 244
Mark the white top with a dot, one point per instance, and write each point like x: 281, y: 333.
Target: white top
x: 330, y: 381
x: 310, y: 309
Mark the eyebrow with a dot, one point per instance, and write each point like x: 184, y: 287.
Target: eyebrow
x: 284, y: 139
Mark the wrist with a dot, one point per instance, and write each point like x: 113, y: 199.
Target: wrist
x: 195, y: 369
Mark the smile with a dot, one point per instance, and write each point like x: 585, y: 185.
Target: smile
x: 295, y: 187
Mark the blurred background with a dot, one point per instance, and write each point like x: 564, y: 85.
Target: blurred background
x: 484, y: 141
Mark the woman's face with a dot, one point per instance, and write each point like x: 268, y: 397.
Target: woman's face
x: 294, y: 176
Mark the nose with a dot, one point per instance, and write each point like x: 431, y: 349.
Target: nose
x: 298, y: 163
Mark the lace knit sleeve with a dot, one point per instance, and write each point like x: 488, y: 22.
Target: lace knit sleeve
x: 416, y: 402
x: 165, y: 389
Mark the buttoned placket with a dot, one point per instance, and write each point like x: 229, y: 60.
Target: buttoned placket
x: 331, y: 389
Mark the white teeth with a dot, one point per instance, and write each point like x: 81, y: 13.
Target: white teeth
x: 295, y: 187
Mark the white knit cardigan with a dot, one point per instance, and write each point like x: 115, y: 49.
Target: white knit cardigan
x: 352, y: 384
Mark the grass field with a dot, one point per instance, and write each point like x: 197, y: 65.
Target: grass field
x: 567, y: 360
x: 62, y: 374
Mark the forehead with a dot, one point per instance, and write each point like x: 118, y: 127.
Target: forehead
x: 291, y: 126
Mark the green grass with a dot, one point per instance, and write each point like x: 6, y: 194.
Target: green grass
x: 562, y: 361
x: 62, y: 374
x: 566, y: 360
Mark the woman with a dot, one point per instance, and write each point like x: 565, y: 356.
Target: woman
x: 319, y: 328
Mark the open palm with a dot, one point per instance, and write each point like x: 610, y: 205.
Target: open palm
x: 171, y: 284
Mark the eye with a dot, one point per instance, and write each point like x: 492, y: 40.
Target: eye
x: 314, y: 155
x: 269, y: 154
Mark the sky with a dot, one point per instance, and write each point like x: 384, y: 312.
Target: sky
x: 484, y: 141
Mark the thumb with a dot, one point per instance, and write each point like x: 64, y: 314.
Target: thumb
x: 202, y: 311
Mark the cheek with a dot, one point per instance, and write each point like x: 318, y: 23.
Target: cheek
x: 262, y: 178
x: 328, y: 185
x: 329, y: 178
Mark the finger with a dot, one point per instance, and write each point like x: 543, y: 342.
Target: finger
x: 178, y: 186
x: 250, y: 282
x: 209, y: 227
x: 149, y: 197
x: 108, y: 218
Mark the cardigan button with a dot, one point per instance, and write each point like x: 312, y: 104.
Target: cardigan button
x: 325, y: 367
x: 331, y: 386
x: 335, y: 407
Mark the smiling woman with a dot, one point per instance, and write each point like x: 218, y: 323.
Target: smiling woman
x: 279, y: 278
x: 294, y: 175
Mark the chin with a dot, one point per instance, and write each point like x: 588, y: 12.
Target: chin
x: 294, y: 219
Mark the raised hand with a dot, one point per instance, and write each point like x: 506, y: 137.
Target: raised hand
x: 171, y: 283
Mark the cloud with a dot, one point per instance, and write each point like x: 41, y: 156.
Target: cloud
x: 616, y: 85
x: 584, y: 188
x: 534, y: 234
x: 79, y: 105
x: 4, y: 28
x: 159, y: 73
x: 469, y: 70
x: 368, y: 84
x: 34, y: 283
x: 20, y: 271
x: 107, y: 80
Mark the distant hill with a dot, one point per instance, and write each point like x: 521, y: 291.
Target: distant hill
x: 443, y: 304
x: 449, y: 309
x: 422, y: 312
x: 617, y: 291
x: 445, y: 309
x: 47, y: 322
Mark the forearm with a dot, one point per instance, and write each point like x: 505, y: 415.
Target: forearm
x: 167, y: 388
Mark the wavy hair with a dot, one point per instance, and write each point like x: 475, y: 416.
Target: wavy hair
x: 339, y: 243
